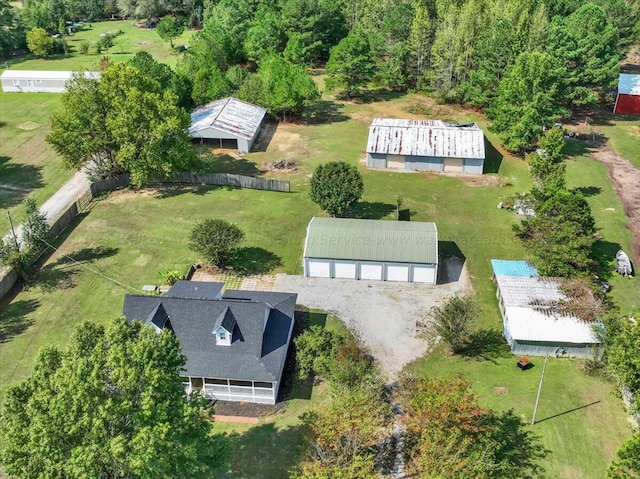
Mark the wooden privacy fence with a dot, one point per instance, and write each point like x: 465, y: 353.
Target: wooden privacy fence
x: 8, y: 277
x: 227, y: 179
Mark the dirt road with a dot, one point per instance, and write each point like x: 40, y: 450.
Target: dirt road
x: 626, y: 179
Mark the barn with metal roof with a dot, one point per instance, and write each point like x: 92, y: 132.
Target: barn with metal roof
x: 534, y: 321
x: 425, y: 145
x: 628, y: 97
x: 371, y: 250
x: 228, y: 119
x: 39, y: 81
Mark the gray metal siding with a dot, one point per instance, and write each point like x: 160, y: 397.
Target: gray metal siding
x: 535, y: 348
x: 473, y: 166
x: 376, y: 160
x: 424, y: 163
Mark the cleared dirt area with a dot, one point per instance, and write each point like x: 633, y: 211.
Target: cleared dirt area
x: 626, y: 179
x: 381, y: 314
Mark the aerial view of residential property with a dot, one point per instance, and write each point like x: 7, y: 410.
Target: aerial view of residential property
x: 315, y: 239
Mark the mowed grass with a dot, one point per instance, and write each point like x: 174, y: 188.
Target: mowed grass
x: 623, y: 133
x: 126, y: 45
x: 580, y: 422
x: 131, y: 236
x: 28, y: 165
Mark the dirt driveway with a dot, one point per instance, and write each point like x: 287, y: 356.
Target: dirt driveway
x: 382, y: 315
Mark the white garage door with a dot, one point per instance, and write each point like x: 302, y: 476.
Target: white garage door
x: 344, y: 269
x: 319, y: 269
x: 371, y: 271
x: 424, y: 274
x: 397, y: 273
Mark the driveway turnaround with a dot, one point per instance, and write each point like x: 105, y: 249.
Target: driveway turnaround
x: 381, y: 314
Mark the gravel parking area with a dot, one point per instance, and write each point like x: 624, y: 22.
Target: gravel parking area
x: 381, y: 314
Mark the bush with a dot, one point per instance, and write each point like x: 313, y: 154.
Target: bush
x: 39, y: 42
x: 171, y: 276
x: 216, y: 240
x: 453, y: 319
x: 84, y: 47
x: 336, y: 186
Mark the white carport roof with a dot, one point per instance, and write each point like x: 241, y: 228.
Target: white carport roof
x: 528, y: 324
x: 629, y: 84
x: 230, y: 115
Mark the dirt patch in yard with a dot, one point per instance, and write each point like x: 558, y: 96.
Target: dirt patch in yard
x: 246, y: 409
x: 28, y: 125
x: 626, y: 179
x: 383, y: 315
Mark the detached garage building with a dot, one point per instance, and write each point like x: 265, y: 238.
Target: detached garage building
x: 371, y: 249
x: 38, y: 81
x: 628, y: 98
x: 425, y: 145
x: 534, y: 322
x: 228, y: 119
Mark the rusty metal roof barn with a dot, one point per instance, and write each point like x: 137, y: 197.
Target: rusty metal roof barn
x: 230, y: 115
x: 433, y: 138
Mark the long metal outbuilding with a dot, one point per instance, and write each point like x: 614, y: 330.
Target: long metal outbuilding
x: 371, y: 250
x: 425, y: 145
x: 533, y: 322
x: 39, y: 81
x: 228, y: 119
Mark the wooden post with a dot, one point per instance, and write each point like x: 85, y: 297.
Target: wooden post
x: 535, y: 409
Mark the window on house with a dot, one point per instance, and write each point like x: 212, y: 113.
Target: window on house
x: 222, y: 335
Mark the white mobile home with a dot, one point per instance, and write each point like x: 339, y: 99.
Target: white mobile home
x: 425, y: 145
x: 38, y: 81
x: 228, y: 119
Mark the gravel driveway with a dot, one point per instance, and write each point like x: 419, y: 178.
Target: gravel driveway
x: 381, y: 314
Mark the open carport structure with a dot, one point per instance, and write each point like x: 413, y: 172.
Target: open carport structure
x: 228, y: 119
x: 371, y: 250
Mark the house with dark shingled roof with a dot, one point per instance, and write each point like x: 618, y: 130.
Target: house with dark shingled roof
x: 235, y: 343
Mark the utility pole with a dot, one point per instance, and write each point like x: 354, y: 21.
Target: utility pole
x: 13, y: 231
x: 535, y: 409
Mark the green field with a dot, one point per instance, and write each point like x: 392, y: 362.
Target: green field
x: 131, y: 41
x: 623, y: 134
x: 27, y: 164
x: 132, y: 235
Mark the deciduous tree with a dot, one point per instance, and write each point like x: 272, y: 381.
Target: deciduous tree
x: 216, y: 240
x: 39, y: 42
x: 123, y: 122
x: 450, y: 435
x: 169, y: 28
x: 336, y: 186
x: 111, y: 404
x: 12, y: 31
x: 627, y: 462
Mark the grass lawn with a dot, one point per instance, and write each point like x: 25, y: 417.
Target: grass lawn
x: 623, y: 134
x: 126, y: 45
x: 131, y: 236
x: 27, y: 163
x: 580, y: 422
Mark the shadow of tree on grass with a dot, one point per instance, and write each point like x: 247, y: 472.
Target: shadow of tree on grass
x: 265, y: 451
x: 371, y: 210
x: 254, y: 260
x: 13, y: 318
x: 60, y: 274
x: 487, y: 344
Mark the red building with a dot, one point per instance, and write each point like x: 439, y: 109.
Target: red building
x: 628, y: 99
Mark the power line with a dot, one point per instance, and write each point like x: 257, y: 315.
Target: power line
x: 94, y: 271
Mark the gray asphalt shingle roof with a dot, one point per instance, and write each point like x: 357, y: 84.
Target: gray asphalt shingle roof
x: 372, y: 240
x: 254, y: 354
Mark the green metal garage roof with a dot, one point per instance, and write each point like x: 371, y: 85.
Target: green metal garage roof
x: 372, y: 240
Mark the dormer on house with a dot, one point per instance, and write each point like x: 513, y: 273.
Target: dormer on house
x: 223, y: 327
